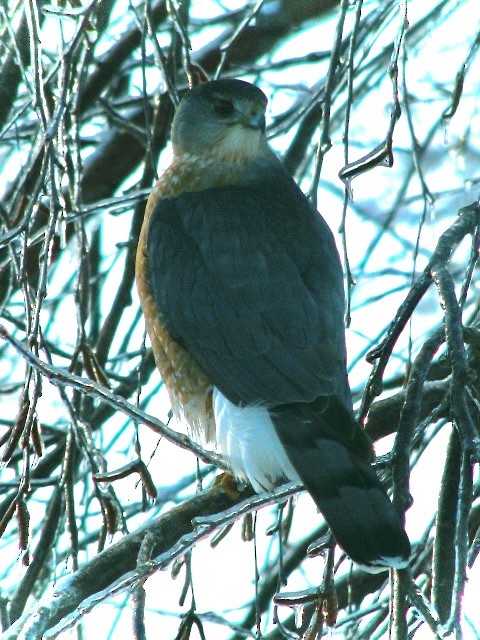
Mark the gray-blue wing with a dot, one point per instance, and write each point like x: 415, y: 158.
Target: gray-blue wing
x: 249, y: 281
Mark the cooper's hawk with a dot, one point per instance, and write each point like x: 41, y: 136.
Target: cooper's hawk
x: 242, y: 290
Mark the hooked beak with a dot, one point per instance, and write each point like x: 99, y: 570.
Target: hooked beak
x: 254, y: 117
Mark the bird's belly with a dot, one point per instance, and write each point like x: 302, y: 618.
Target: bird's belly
x: 247, y: 439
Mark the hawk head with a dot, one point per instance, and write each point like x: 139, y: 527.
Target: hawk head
x: 221, y: 118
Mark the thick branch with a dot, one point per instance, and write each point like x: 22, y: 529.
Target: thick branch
x: 119, y: 559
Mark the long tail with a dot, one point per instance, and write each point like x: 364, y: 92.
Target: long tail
x: 339, y: 477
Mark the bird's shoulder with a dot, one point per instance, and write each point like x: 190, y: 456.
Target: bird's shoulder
x: 261, y: 183
x: 249, y: 221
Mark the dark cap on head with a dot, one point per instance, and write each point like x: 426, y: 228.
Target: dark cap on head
x: 238, y: 89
